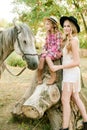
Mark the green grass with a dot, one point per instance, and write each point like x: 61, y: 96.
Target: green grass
x: 15, y: 60
x: 30, y: 124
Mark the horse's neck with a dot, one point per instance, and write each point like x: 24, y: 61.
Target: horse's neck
x: 7, y: 39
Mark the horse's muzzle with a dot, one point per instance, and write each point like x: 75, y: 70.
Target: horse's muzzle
x: 32, y: 61
x: 32, y: 66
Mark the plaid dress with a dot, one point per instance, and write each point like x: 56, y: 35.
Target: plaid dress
x: 52, y: 47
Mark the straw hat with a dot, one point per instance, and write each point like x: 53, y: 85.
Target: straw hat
x: 53, y: 19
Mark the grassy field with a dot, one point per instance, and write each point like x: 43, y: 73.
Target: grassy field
x: 11, y: 89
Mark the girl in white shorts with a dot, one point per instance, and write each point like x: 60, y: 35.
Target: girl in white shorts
x: 71, y: 72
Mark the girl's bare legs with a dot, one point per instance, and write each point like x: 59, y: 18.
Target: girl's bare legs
x: 80, y: 105
x: 66, y: 95
x: 40, y: 70
x: 52, y: 74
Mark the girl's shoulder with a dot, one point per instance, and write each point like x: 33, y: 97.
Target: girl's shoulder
x: 75, y: 39
x: 75, y: 42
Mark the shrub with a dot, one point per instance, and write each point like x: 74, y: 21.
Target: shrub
x: 15, y: 60
x: 83, y: 41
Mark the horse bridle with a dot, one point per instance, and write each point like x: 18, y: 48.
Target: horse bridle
x: 21, y: 48
x: 22, y: 56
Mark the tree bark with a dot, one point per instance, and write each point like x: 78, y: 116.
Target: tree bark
x: 55, y: 117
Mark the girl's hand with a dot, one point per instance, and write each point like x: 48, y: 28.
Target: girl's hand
x: 56, y: 67
x: 44, y: 51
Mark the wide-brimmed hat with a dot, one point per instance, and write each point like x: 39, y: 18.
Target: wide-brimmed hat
x: 53, y: 19
x: 71, y: 19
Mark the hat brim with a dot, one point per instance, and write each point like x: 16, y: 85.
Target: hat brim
x: 62, y: 19
x: 51, y: 19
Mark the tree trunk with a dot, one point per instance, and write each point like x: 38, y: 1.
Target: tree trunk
x: 55, y: 117
x: 42, y: 98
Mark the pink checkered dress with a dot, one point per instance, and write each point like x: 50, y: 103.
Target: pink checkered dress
x: 52, y: 48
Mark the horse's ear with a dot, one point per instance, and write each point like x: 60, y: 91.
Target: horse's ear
x: 14, y: 21
x: 17, y: 27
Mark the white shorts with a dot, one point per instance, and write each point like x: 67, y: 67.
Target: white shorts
x: 72, y: 78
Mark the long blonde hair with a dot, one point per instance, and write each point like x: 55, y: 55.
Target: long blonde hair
x: 74, y: 33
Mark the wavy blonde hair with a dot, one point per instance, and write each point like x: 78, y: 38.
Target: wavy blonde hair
x: 74, y: 33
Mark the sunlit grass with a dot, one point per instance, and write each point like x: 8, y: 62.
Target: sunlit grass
x: 15, y: 60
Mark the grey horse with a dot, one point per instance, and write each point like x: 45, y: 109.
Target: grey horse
x: 21, y: 39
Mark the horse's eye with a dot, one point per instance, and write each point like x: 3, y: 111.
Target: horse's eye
x: 25, y: 42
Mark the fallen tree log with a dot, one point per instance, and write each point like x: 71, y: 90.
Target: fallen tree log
x: 29, y: 105
x: 42, y: 99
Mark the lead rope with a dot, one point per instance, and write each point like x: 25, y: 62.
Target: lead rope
x: 12, y: 73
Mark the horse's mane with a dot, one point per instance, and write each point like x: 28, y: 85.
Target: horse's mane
x: 6, y: 40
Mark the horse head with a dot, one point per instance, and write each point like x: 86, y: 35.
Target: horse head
x: 25, y: 45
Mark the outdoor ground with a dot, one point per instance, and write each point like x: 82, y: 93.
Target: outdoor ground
x: 11, y: 89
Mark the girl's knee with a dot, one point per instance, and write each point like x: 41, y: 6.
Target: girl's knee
x: 75, y: 96
x: 47, y: 58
